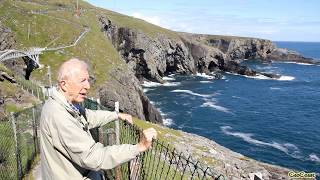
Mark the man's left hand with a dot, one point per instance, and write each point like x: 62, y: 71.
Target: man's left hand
x: 126, y: 117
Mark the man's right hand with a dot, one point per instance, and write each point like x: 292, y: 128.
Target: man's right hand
x: 146, y: 139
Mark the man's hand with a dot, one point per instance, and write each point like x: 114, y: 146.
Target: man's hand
x: 126, y: 117
x: 146, y: 139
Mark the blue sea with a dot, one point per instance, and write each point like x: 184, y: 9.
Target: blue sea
x: 274, y: 121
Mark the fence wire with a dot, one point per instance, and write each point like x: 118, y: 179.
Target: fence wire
x: 19, y: 144
x: 162, y: 161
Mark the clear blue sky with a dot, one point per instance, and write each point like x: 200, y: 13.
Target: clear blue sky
x: 278, y: 20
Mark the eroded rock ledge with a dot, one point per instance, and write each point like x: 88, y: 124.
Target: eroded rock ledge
x: 151, y: 58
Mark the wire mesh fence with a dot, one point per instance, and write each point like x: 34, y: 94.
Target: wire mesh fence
x: 19, y: 142
x: 32, y: 88
x: 160, y: 162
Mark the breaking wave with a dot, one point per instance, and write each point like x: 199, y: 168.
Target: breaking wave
x: 286, y: 78
x: 288, y: 148
x: 168, y: 78
x: 263, y: 77
x: 213, y: 105
x: 192, y: 93
x: 155, y: 84
x: 205, y: 76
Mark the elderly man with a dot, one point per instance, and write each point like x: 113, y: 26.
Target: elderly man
x: 68, y: 150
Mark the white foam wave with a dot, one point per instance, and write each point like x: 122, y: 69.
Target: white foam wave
x: 168, y: 78
x: 237, y: 97
x: 205, y: 82
x: 286, y: 78
x: 288, y: 148
x: 275, y: 88
x: 216, y: 107
x: 313, y: 157
x: 299, y: 63
x: 192, y: 93
x: 155, y: 84
x: 167, y: 121
x: 260, y: 76
x: 204, y: 75
x: 147, y: 89
x: 171, y: 75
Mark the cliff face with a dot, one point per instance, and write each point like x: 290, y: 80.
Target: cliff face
x: 125, y: 88
x: 151, y: 58
x: 6, y: 38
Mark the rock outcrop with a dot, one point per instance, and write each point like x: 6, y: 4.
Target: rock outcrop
x: 149, y: 58
x: 288, y: 55
x: 7, y: 39
x: 125, y: 88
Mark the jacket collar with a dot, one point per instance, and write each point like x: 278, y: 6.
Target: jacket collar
x: 61, y: 99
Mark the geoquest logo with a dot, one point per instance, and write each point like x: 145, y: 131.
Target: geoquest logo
x: 301, y: 174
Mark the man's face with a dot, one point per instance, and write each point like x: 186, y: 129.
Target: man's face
x: 77, y: 86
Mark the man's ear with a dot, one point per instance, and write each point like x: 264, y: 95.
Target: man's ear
x: 63, y: 85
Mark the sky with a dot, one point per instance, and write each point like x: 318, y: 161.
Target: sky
x: 277, y: 20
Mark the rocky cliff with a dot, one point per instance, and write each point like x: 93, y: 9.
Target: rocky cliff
x: 125, y: 88
x: 143, y: 56
x: 6, y: 38
x: 151, y: 58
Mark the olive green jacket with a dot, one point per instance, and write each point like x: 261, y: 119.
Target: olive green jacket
x: 67, y: 148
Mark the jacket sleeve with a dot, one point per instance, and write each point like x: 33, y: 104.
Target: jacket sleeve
x: 98, y: 118
x: 84, y: 151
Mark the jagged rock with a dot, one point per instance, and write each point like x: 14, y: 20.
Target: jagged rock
x: 124, y: 87
x: 206, y: 59
x: 235, y: 67
x: 149, y: 57
x: 7, y: 77
x: 288, y: 55
x: 7, y: 39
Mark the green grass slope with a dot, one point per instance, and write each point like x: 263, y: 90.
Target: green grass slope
x: 53, y: 24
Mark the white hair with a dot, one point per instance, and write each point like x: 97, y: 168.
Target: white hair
x: 70, y: 68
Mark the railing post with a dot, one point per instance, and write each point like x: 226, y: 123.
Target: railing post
x: 35, y: 133
x: 18, y: 159
x: 38, y: 93
x: 117, y: 131
x: 49, y: 76
x: 100, y: 129
x: 116, y: 106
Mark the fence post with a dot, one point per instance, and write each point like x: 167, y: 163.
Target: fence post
x: 38, y: 93
x: 18, y: 159
x: 117, y: 131
x: 49, y: 76
x: 100, y: 129
x: 35, y: 132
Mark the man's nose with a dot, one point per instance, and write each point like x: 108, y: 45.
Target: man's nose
x: 87, y: 84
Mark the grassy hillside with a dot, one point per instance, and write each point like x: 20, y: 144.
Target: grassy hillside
x: 54, y: 24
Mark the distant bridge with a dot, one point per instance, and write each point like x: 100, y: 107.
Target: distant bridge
x: 31, y: 54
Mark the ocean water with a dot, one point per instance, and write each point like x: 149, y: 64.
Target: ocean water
x: 274, y: 121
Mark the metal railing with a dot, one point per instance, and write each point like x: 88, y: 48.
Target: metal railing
x: 162, y: 161
x: 19, y: 144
